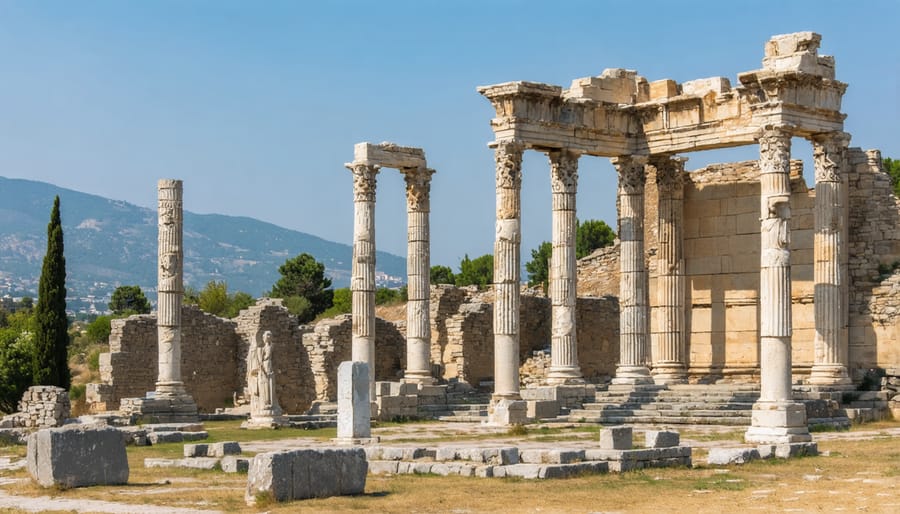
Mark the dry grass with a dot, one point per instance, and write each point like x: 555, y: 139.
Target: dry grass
x: 861, y: 475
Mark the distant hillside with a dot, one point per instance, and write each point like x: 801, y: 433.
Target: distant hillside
x: 114, y: 242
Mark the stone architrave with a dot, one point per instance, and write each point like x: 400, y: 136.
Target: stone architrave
x: 830, y: 275
x: 508, y: 156
x: 170, y: 288
x: 362, y: 280
x: 265, y: 412
x: 776, y: 418
x: 418, y: 266
x: 354, y: 405
x: 633, y: 295
x: 668, y: 356
x: 564, y: 366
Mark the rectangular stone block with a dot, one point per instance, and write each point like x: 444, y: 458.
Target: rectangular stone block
x: 196, y: 450
x: 235, y: 464
x: 77, y: 456
x: 224, y: 448
x: 616, y: 438
x: 542, y: 409
x: 309, y: 473
x: 661, y: 439
x: 354, y: 407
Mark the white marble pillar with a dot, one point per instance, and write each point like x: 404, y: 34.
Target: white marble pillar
x: 170, y: 287
x: 418, y: 269
x: 831, y: 340
x: 633, y: 300
x: 776, y: 418
x: 362, y: 279
x: 564, y: 366
x: 508, y: 156
x: 669, y: 358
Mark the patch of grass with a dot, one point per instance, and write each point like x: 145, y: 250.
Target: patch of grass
x: 720, y: 483
x: 231, y: 431
x: 826, y: 427
x: 517, y: 430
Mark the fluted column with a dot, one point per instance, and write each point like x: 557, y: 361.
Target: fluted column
x: 563, y: 274
x: 170, y: 287
x: 362, y: 279
x: 418, y: 269
x: 669, y: 359
x: 633, y: 299
x: 776, y: 418
x: 831, y: 340
x: 508, y: 156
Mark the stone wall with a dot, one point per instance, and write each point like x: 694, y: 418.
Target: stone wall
x: 40, y: 407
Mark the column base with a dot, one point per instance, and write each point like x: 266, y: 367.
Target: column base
x: 155, y: 408
x: 666, y: 374
x: 261, y: 422
x: 170, y: 390
x: 778, y: 423
x: 829, y: 375
x: 565, y: 375
x: 632, y: 375
x: 418, y: 377
x: 507, y: 412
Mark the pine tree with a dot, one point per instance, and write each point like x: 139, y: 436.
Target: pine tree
x: 50, y: 361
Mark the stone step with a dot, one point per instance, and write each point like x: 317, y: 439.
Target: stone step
x: 660, y: 420
x: 474, y: 418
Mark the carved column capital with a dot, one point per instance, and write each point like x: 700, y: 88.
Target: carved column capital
x: 564, y: 171
x: 669, y: 171
x: 631, y: 173
x: 418, y: 188
x: 774, y: 148
x: 363, y: 181
x: 829, y: 151
x: 508, y: 155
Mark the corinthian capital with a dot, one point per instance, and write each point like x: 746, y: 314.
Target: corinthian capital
x: 829, y: 151
x: 418, y: 188
x: 669, y: 171
x: 631, y: 173
x: 774, y: 149
x: 564, y: 171
x: 508, y: 156
x: 363, y: 181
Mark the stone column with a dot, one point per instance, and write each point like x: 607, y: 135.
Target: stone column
x: 831, y: 340
x: 418, y: 269
x: 776, y: 418
x: 362, y: 279
x: 563, y: 274
x: 170, y: 288
x: 669, y: 359
x: 633, y: 299
x: 508, y: 156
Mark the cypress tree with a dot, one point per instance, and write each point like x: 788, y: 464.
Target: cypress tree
x: 50, y: 364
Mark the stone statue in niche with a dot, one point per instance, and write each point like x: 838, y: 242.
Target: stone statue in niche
x: 264, y: 408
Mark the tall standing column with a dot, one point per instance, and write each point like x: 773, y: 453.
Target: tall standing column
x: 831, y: 340
x: 563, y: 273
x: 633, y: 299
x: 170, y: 287
x: 508, y: 156
x: 362, y: 280
x: 776, y: 418
x: 669, y: 362
x: 418, y: 269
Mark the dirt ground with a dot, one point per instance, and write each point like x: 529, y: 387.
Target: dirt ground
x: 858, y: 471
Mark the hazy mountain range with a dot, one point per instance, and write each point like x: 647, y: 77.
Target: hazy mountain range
x: 110, y: 242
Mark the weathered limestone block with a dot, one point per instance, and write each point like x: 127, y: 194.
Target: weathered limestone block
x: 616, y: 438
x: 234, y: 464
x: 542, y: 409
x: 311, y: 473
x: 726, y: 456
x: 354, y: 407
x: 77, y: 456
x: 509, y: 412
x: 661, y: 438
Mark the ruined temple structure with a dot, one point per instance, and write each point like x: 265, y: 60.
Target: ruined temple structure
x: 641, y: 126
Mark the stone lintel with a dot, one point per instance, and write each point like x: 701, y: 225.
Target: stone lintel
x: 388, y: 155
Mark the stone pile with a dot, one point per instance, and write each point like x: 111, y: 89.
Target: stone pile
x: 40, y: 407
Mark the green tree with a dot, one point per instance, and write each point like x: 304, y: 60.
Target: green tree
x: 303, y: 277
x: 442, y: 275
x: 191, y: 296
x: 238, y: 302
x: 538, y: 267
x: 51, y: 339
x: 16, y: 350
x: 129, y: 300
x: 27, y: 303
x: 590, y: 235
x: 342, y: 303
x: 478, y: 272
x: 98, y: 330
x: 892, y: 168
x: 214, y: 297
x: 384, y: 295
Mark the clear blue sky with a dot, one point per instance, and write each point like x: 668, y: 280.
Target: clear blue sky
x: 257, y: 105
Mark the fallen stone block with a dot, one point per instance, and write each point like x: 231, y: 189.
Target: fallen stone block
x: 383, y: 467
x: 196, y: 450
x: 571, y: 470
x: 207, y: 463
x: 542, y: 409
x: 616, y: 438
x: 726, y: 456
x: 309, y: 473
x: 77, y: 456
x: 661, y: 439
x: 224, y: 448
x: 165, y: 437
x: 529, y: 471
x: 235, y: 464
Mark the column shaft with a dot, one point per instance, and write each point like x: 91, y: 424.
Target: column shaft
x: 830, y: 365
x: 508, y: 157
x: 669, y: 359
x: 633, y: 299
x: 563, y: 273
x: 362, y: 280
x: 418, y: 268
x: 170, y: 286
